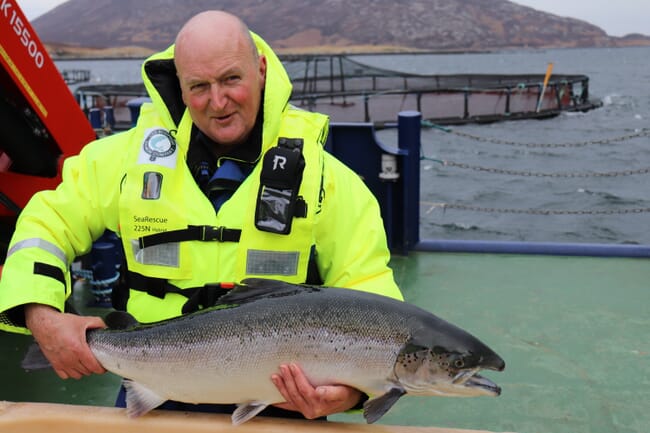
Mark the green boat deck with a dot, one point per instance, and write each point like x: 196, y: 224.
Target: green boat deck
x: 574, y: 331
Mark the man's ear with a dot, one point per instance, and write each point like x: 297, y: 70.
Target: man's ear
x: 263, y: 69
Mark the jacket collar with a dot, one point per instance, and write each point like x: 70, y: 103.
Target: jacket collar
x: 161, y: 82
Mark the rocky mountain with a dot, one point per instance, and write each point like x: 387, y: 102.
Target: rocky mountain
x: 295, y: 25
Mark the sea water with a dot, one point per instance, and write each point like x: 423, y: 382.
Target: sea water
x: 571, y: 178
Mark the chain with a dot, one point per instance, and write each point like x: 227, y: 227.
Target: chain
x: 538, y: 174
x: 641, y: 133
x: 644, y: 132
x: 445, y: 206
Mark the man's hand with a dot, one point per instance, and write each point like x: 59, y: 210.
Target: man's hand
x: 312, y: 402
x: 62, y: 339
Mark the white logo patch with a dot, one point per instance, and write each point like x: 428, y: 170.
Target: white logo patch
x: 158, y: 147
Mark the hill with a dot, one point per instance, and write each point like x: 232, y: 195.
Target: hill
x: 326, y: 25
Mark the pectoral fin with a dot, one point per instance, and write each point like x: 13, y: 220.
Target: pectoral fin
x: 140, y: 399
x: 35, y: 359
x: 376, y: 407
x: 246, y: 411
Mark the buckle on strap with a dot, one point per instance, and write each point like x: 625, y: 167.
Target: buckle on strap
x: 211, y: 233
x: 219, y: 234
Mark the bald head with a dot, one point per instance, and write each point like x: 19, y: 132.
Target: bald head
x: 221, y: 75
x: 214, y: 29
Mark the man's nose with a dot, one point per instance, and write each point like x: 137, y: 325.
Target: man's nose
x: 218, y: 98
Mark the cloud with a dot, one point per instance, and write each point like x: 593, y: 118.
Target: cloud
x: 35, y: 8
x: 617, y: 18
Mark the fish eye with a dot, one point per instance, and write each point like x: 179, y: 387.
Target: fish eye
x: 459, y: 363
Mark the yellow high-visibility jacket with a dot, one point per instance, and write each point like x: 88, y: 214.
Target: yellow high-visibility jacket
x: 137, y: 183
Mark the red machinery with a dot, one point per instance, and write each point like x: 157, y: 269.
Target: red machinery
x: 40, y: 121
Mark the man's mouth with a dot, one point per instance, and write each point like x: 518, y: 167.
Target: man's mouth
x: 223, y: 118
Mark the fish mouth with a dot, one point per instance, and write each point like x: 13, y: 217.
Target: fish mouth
x: 479, y: 382
x: 471, y: 379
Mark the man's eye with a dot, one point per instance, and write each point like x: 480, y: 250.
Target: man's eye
x: 197, y: 87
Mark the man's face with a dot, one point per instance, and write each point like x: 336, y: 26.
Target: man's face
x: 222, y: 88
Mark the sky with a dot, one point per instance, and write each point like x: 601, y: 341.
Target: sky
x: 616, y: 17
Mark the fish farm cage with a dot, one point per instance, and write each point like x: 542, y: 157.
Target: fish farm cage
x: 350, y: 91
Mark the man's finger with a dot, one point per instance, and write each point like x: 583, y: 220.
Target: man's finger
x: 92, y: 365
x: 62, y: 374
x: 303, y: 386
x: 291, y: 386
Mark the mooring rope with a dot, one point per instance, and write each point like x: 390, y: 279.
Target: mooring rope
x: 544, y: 212
x: 523, y: 173
x: 643, y: 132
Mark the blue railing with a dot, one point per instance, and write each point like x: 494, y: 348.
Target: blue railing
x: 392, y: 174
x: 398, y: 193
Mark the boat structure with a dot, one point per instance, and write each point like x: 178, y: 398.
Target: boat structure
x: 75, y: 76
x: 40, y: 121
x: 111, y: 107
x: 570, y: 320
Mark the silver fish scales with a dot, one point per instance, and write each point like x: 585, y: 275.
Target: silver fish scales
x: 227, y: 353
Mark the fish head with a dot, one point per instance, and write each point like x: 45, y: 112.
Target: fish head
x: 444, y: 360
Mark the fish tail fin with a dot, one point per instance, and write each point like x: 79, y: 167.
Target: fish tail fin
x: 246, y: 411
x: 35, y: 359
x: 140, y: 399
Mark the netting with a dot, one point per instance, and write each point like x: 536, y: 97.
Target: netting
x: 351, y: 91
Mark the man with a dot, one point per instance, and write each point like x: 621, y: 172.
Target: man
x: 220, y: 180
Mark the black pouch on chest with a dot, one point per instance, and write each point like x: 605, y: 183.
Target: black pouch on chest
x: 278, y: 201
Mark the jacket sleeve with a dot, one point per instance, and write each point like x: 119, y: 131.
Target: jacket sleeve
x: 57, y: 226
x: 351, y: 244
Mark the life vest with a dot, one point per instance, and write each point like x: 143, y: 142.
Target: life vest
x: 174, y: 241
x: 137, y: 185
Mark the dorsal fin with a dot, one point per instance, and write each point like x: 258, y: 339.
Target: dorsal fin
x: 120, y: 320
x: 252, y: 289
